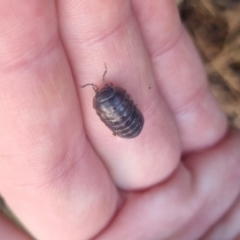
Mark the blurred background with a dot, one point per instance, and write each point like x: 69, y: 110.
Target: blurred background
x: 215, y: 28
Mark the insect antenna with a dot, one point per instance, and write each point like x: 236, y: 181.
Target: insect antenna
x: 95, y: 87
x: 105, y: 72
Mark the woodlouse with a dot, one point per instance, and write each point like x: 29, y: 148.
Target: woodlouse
x: 117, y: 110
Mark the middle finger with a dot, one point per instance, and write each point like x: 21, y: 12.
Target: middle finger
x: 105, y: 31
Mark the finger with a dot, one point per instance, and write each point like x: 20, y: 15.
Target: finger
x: 49, y: 174
x: 228, y: 226
x: 8, y: 231
x: 180, y: 75
x: 200, y: 192
x: 98, y: 32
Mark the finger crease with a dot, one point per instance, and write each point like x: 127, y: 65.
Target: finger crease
x: 169, y: 45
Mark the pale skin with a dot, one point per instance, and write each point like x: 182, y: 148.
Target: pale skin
x: 62, y: 171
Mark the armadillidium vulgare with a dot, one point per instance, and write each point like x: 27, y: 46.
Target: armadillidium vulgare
x: 117, y: 110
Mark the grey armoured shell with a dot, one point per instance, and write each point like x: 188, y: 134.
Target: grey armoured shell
x: 116, y: 109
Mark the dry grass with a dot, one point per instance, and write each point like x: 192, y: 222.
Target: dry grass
x: 216, y: 32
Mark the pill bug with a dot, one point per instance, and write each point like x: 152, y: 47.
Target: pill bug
x: 117, y: 110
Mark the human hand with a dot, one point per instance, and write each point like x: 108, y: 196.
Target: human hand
x: 63, y: 172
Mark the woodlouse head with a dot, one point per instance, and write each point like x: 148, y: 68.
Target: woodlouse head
x: 95, y: 87
x: 105, y: 93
